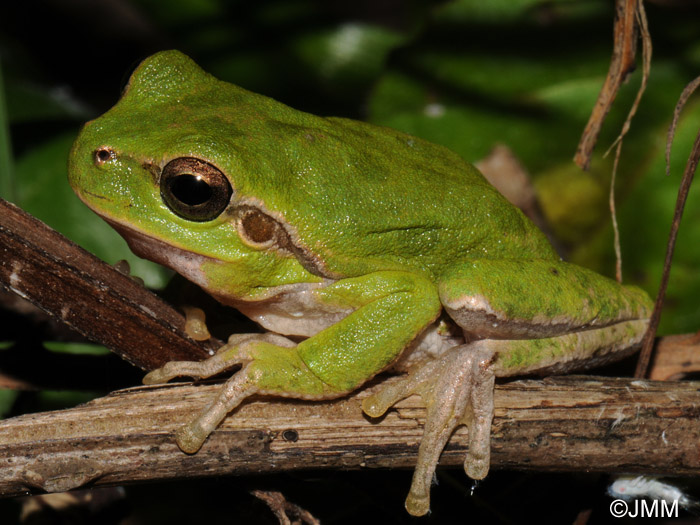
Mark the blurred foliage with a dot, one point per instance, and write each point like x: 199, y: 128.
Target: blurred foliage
x: 465, y: 73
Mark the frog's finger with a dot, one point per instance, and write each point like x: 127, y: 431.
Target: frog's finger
x: 195, y: 369
x: 190, y: 437
x: 226, y: 357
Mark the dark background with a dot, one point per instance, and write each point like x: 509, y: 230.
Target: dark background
x: 468, y: 74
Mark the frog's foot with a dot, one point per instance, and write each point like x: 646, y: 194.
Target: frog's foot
x: 191, y: 436
x: 457, y: 389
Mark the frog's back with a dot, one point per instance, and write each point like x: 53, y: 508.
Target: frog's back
x: 368, y: 198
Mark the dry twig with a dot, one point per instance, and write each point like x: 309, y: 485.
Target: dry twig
x: 683, y: 190
x: 621, y: 65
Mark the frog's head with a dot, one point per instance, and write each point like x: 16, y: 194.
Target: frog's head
x: 168, y: 167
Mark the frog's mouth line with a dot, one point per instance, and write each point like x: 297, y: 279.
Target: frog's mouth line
x: 184, y: 262
x: 95, y: 195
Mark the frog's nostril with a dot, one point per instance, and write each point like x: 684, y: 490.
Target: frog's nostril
x: 103, y: 154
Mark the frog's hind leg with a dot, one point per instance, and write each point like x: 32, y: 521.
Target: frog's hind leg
x: 457, y: 389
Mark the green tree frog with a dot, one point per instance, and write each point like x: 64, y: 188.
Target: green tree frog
x: 357, y: 248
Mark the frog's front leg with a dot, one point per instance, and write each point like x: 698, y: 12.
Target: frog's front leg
x: 389, y: 310
x: 237, y: 351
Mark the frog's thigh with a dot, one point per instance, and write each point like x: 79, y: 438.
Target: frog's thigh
x: 528, y: 299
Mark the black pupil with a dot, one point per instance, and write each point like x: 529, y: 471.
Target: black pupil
x: 190, y: 189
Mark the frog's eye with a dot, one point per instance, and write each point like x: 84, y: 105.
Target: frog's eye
x: 194, y: 190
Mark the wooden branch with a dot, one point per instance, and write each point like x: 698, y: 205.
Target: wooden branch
x: 88, y: 295
x: 563, y: 424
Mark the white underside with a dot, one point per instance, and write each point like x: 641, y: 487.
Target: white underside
x: 294, y: 310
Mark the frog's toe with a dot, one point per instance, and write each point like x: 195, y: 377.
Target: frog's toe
x: 379, y: 402
x: 415, y: 382
x: 418, y: 504
x: 478, y: 459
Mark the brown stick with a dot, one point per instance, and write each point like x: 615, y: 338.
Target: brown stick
x: 562, y: 424
x: 91, y: 297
